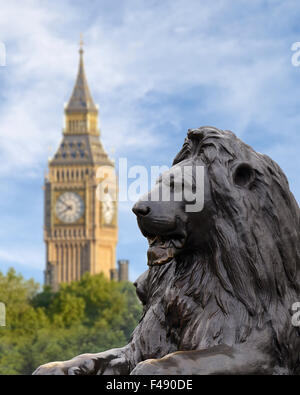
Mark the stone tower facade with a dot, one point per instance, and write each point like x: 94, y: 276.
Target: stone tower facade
x: 80, y: 226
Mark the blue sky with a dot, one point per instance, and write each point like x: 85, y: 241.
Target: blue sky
x: 156, y: 68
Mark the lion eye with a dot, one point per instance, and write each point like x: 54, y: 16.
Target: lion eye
x: 243, y: 175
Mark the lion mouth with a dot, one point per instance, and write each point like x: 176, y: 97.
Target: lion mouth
x: 163, y: 249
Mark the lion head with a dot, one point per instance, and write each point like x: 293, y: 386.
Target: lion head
x: 238, y: 257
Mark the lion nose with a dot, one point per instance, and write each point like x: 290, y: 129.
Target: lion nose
x: 140, y: 209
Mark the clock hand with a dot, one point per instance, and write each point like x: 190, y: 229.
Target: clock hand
x: 65, y: 204
x: 66, y: 209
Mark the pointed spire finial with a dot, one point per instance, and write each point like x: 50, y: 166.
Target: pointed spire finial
x: 81, y: 99
x: 81, y: 44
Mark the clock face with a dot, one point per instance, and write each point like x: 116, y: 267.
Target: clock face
x: 107, y: 208
x: 69, y: 207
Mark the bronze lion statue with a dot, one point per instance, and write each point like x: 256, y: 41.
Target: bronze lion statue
x: 222, y: 281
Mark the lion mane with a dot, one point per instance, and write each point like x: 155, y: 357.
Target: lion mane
x: 227, y: 303
x: 247, y: 279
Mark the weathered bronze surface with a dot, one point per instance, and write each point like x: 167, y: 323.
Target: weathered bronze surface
x: 221, y: 283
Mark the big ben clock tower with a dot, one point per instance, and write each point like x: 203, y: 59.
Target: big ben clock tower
x: 80, y: 229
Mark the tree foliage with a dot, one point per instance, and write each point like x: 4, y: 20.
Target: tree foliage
x: 91, y: 315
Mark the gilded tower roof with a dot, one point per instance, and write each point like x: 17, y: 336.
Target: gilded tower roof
x: 81, y: 144
x: 81, y: 99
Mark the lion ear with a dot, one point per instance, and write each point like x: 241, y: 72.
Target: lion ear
x: 203, y: 131
x: 243, y: 175
x: 196, y: 133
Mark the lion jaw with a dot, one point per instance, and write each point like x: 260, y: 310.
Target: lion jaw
x: 162, y: 250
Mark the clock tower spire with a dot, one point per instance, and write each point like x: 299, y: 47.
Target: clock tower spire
x: 81, y: 100
x: 80, y: 231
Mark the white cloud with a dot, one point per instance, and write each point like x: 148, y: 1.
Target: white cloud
x: 231, y: 62
x: 165, y: 49
x: 29, y: 257
x: 287, y: 154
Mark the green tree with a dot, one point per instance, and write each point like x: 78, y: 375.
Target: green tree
x: 90, y: 315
